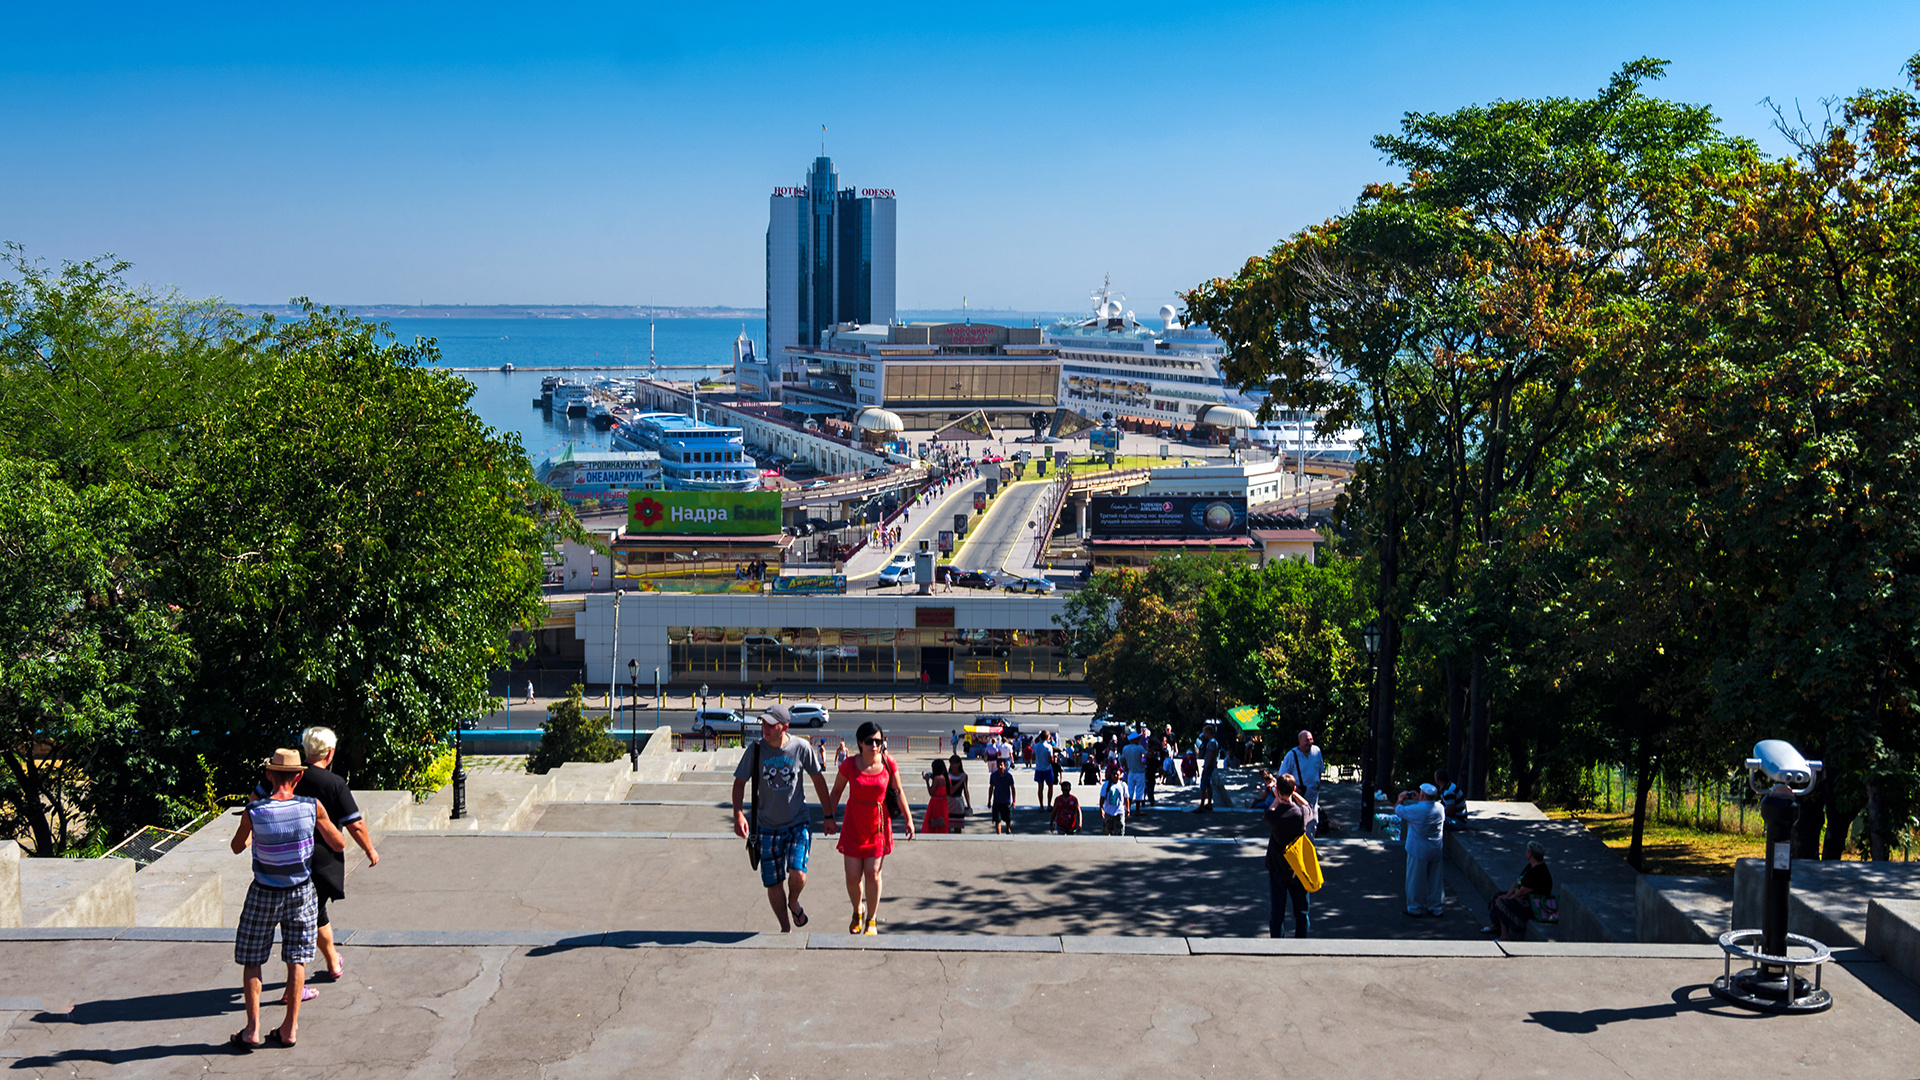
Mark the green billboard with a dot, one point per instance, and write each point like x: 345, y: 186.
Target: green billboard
x: 703, y: 513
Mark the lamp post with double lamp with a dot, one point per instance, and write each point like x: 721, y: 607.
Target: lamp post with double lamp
x: 1368, y: 781
x: 633, y: 719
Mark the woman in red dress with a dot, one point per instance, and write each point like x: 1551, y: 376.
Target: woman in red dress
x: 869, y: 779
x: 936, y: 819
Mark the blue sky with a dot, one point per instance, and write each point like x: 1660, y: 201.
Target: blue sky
x: 484, y: 153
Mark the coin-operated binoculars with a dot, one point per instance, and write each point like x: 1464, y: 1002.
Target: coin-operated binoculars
x: 1781, y: 776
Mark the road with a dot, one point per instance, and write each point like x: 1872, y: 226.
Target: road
x: 922, y: 728
x: 1002, y: 537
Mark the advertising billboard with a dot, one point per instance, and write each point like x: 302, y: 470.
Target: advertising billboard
x: 1167, y: 515
x: 810, y: 584
x: 703, y: 513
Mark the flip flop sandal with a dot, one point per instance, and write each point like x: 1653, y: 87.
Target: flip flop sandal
x: 799, y: 917
x: 279, y: 1040
x: 307, y: 993
x: 854, y: 926
x: 243, y: 1045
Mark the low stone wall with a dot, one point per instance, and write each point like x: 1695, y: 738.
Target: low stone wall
x: 1829, y: 900
x: 1893, y: 935
x: 9, y: 884
x: 1677, y: 910
x: 165, y: 897
x: 76, y: 892
x: 1596, y: 888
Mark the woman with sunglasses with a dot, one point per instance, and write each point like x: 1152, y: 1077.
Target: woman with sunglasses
x: 869, y: 779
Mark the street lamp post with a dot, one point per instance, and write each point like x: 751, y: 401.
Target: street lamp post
x: 633, y: 719
x: 460, y: 769
x: 1368, y: 755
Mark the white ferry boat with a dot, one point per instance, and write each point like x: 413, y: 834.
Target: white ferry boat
x: 571, y: 398
x: 600, y: 476
x: 694, y: 454
x: 1111, y: 363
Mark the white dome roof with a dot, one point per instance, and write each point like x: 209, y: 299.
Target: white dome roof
x: 878, y: 420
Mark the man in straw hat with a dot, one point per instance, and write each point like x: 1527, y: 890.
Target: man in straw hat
x: 281, y: 827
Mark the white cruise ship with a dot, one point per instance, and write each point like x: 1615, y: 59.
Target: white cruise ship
x: 1111, y: 363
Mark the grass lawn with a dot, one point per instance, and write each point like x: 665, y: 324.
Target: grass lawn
x: 1668, y: 849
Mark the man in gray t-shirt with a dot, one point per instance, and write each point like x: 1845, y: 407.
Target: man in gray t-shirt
x: 780, y: 811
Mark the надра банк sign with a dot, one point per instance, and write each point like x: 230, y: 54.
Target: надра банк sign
x: 703, y: 513
x: 1167, y: 515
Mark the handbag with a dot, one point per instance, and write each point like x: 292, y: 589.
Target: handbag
x: 1305, y: 861
x: 753, y: 822
x: 1546, y: 909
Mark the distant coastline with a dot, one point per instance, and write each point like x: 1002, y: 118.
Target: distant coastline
x: 511, y: 311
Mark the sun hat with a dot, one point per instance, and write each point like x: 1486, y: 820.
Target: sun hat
x: 1429, y: 789
x: 286, y: 761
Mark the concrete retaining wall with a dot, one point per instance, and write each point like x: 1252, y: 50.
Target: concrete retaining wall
x: 1893, y: 935
x: 9, y: 884
x: 385, y: 811
x: 175, y: 898
x: 1596, y: 888
x: 1676, y: 910
x: 1829, y: 899
x: 76, y: 892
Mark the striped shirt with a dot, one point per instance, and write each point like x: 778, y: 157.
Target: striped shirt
x: 283, y: 839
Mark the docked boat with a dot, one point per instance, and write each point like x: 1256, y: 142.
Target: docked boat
x: 1112, y: 363
x: 600, y: 415
x: 600, y: 476
x: 694, y: 455
x: 571, y: 398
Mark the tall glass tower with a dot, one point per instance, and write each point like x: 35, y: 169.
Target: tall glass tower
x: 829, y: 258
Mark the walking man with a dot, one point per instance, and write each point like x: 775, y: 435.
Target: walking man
x: 1306, y: 764
x: 1424, y: 819
x: 281, y: 827
x: 1113, y: 804
x: 1209, y: 761
x: 1043, y: 770
x: 529, y: 699
x: 320, y: 783
x: 1000, y: 796
x: 1134, y: 754
x: 780, y: 825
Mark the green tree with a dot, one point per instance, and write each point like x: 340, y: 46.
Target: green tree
x: 86, y: 651
x: 1286, y: 636
x: 353, y: 547
x: 570, y: 735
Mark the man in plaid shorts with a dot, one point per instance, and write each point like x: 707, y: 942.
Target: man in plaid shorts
x: 282, y: 827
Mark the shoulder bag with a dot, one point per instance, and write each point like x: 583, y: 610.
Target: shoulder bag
x: 753, y: 820
x: 1305, y: 861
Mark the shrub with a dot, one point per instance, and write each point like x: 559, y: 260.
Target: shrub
x: 568, y: 735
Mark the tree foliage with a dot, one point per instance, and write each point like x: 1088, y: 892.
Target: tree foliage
x: 570, y: 735
x: 220, y: 531
x: 1640, y: 444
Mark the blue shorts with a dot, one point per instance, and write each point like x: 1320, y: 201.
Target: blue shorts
x: 784, y: 851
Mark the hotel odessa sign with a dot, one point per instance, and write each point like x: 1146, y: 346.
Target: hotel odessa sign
x: 703, y: 513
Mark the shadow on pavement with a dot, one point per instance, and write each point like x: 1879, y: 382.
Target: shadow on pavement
x: 1696, y: 998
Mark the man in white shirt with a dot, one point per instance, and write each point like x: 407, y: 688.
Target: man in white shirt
x: 1423, y: 820
x: 1306, y: 764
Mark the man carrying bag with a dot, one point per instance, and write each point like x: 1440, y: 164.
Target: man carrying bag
x: 1293, y: 868
x: 778, y: 836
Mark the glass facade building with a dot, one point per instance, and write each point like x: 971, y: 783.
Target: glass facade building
x: 830, y: 258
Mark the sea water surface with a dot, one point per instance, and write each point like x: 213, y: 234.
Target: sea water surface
x: 504, y: 400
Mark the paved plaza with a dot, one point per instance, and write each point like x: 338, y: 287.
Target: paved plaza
x: 630, y: 937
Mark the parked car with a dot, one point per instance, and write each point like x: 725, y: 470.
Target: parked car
x: 1028, y: 585
x: 809, y: 714
x: 898, y: 571
x: 723, y: 722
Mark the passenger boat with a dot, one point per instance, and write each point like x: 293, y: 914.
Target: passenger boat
x: 694, y: 455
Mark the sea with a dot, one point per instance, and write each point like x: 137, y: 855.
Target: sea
x: 504, y: 400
